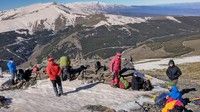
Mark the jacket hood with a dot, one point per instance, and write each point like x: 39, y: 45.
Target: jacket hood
x: 171, y: 62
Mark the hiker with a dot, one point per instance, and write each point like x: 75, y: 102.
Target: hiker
x: 139, y: 81
x: 12, y: 69
x: 115, y: 67
x: 27, y: 74
x: 36, y: 71
x: 173, y: 72
x: 174, y: 92
x: 19, y: 75
x: 1, y: 73
x: 53, y: 70
x: 1, y: 70
x: 174, y: 99
x: 131, y: 59
x: 64, y: 63
x: 99, y: 67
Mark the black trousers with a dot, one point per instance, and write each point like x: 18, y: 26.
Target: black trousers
x: 57, y: 86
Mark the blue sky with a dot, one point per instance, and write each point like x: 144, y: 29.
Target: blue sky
x: 9, y: 4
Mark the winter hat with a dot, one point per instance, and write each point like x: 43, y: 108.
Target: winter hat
x: 118, y: 54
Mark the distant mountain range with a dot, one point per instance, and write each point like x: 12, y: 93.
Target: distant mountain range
x: 182, y: 9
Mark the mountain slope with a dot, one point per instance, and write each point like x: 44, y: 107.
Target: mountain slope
x: 37, y: 17
x: 63, y: 30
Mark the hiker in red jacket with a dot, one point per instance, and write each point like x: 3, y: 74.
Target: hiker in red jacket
x: 115, y: 67
x: 53, y: 70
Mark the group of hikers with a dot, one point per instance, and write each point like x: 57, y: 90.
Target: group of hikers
x: 174, y: 102
x: 55, y: 70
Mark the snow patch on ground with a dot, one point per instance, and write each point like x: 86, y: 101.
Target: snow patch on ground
x: 173, y: 19
x: 122, y: 20
x: 119, y: 20
x: 41, y: 97
x: 101, y: 23
x: 150, y: 64
x: 19, y: 39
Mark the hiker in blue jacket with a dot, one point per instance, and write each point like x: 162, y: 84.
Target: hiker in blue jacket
x: 12, y: 69
x: 175, y: 94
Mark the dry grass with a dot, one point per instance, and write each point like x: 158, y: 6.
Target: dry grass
x: 191, y: 73
x: 192, y: 44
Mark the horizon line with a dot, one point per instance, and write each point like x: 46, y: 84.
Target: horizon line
x: 161, y: 4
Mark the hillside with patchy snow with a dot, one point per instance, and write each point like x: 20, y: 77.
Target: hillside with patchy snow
x: 52, y: 16
x: 87, y: 30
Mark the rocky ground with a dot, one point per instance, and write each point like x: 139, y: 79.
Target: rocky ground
x: 77, y: 95
x: 88, y: 94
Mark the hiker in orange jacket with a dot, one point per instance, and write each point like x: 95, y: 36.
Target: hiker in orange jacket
x: 53, y: 70
x: 115, y: 67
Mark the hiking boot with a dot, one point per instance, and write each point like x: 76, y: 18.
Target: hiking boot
x: 58, y: 95
x: 56, y: 91
x: 60, y: 90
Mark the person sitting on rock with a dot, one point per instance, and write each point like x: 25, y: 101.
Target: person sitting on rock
x: 36, y: 71
x: 115, y: 68
x: 173, y: 72
x: 174, y: 99
x: 53, y: 70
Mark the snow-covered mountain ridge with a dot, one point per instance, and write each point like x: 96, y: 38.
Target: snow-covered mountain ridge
x: 52, y: 16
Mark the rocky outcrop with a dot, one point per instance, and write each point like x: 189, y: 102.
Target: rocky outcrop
x: 60, y: 23
x: 4, y: 102
x: 20, y: 85
x: 97, y: 108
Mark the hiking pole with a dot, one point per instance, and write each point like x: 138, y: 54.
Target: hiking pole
x: 145, y: 109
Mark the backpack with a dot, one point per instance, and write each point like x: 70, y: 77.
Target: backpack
x: 147, y: 86
x: 64, y: 61
x: 137, y: 83
x: 123, y: 83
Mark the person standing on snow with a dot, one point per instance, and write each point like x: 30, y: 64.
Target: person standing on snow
x: 173, y: 72
x: 1, y: 74
x: 65, y: 63
x: 115, y: 67
x: 1, y: 71
x: 53, y: 70
x: 12, y: 69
